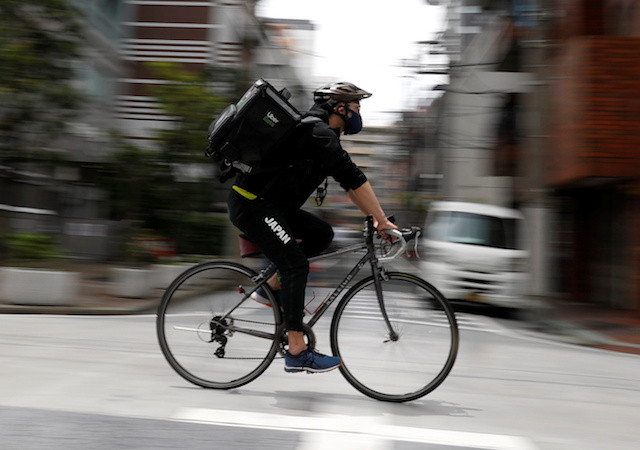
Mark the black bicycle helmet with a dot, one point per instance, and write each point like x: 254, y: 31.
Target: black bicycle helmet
x: 341, y: 91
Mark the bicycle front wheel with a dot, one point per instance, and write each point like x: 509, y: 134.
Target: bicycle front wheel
x: 401, y: 357
x: 210, y: 332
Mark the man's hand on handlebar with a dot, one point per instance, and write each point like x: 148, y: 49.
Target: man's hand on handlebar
x: 382, y: 225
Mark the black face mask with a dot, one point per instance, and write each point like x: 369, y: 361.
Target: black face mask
x: 353, y: 124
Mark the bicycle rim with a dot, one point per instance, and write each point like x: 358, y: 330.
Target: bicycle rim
x: 395, y: 368
x: 192, y: 327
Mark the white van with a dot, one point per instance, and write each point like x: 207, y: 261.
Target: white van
x: 476, y: 252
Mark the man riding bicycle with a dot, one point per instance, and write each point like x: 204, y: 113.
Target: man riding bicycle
x: 267, y: 208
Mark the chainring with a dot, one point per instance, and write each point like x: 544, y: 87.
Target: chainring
x: 283, y: 339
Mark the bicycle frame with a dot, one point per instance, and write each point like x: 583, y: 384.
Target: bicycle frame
x: 369, y: 256
x: 376, y: 271
x: 267, y: 272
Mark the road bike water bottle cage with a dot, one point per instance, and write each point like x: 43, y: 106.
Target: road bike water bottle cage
x: 248, y: 132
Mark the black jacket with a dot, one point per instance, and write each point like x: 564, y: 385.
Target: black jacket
x: 310, y: 154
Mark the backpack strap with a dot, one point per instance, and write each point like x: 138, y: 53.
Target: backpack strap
x: 308, y: 119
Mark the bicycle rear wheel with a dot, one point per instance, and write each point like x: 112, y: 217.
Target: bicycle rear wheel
x: 208, y: 334
x: 406, y: 362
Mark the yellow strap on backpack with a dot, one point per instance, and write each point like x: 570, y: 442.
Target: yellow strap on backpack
x: 246, y: 194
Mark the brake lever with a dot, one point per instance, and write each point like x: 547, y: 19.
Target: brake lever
x: 400, y: 242
x: 415, y: 243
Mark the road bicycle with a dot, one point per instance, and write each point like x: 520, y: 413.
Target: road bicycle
x: 396, y: 334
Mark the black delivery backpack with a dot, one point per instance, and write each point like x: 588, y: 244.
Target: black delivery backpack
x: 247, y: 132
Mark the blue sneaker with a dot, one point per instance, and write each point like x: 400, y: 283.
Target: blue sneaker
x: 260, y: 296
x: 311, y: 361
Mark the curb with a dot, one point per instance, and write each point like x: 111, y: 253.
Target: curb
x: 575, y: 334
x: 542, y: 319
x: 571, y: 333
x: 135, y: 307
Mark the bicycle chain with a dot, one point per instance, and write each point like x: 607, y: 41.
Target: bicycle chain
x: 253, y: 321
x: 247, y: 357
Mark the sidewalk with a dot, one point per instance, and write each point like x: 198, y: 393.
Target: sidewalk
x: 94, y: 296
x: 590, y: 325
x: 580, y: 324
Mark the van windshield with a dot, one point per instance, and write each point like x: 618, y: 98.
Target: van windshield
x: 473, y: 229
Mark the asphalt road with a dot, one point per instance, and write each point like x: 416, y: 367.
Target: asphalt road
x: 102, y: 383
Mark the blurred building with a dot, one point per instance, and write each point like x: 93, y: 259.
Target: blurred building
x: 121, y: 37
x: 541, y: 114
x: 286, y: 56
x: 590, y: 160
x: 418, y: 154
x: 375, y: 151
x: 464, y: 22
x: 197, y: 35
x: 83, y: 207
x: 59, y: 199
x: 461, y: 124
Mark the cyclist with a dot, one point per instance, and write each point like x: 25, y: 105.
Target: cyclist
x: 266, y: 207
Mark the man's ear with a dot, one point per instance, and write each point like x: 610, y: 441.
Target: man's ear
x: 341, y: 109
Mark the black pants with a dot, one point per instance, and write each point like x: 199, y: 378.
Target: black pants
x: 275, y: 232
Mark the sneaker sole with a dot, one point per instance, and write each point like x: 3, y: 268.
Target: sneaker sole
x: 309, y: 369
x: 263, y: 303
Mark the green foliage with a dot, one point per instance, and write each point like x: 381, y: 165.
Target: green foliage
x: 190, y: 97
x: 201, y: 234
x: 38, y: 44
x: 130, y: 179
x: 138, y: 248
x: 143, y: 189
x: 148, y: 186
x: 24, y: 246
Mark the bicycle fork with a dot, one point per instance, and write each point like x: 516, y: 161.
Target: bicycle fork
x: 380, y: 274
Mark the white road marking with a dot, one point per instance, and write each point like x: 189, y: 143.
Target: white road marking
x: 366, y: 308
x: 340, y: 430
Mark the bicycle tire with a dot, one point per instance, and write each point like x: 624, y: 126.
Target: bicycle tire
x: 191, y: 309
x: 388, y: 369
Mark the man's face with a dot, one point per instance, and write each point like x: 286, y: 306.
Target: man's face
x: 353, y: 106
x: 337, y: 120
x: 348, y: 107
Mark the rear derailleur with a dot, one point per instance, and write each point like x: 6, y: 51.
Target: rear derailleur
x: 219, y: 327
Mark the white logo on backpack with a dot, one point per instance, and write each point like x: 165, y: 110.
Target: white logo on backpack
x: 273, y: 118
